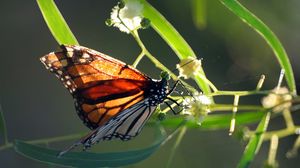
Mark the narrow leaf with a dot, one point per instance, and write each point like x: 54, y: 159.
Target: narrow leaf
x: 268, y: 35
x: 219, y: 121
x: 167, y: 32
x: 254, y: 143
x: 87, y: 159
x: 56, y: 23
x: 172, y: 38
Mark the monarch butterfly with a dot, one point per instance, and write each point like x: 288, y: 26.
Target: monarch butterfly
x: 111, y: 98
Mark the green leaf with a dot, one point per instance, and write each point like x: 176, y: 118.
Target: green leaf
x: 255, y: 142
x: 216, y: 121
x: 56, y: 23
x: 268, y: 35
x: 172, y: 38
x: 3, y: 131
x: 87, y: 159
x: 167, y: 32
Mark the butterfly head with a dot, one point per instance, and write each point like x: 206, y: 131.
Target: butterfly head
x: 165, y: 75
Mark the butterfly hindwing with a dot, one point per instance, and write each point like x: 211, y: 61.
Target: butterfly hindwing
x: 125, y: 126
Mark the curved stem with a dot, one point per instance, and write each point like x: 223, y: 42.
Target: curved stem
x: 138, y: 59
x: 149, y: 55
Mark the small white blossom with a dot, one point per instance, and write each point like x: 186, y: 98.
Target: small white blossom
x: 197, y: 106
x: 277, y: 98
x: 129, y: 17
x: 189, y: 67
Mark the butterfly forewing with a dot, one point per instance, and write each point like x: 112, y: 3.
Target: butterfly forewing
x: 101, y: 85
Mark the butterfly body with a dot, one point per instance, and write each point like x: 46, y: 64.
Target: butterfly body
x: 111, y: 98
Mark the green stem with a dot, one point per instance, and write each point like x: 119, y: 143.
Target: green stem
x: 149, y: 55
x: 155, y: 61
x: 273, y: 150
x: 138, y: 59
x: 293, y: 152
x: 239, y: 93
x: 281, y: 133
x: 228, y: 107
x: 288, y: 118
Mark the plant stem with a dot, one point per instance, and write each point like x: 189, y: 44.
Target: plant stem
x: 281, y: 133
x: 234, y: 111
x: 228, y: 107
x: 239, y: 93
x: 288, y: 118
x: 154, y: 60
x: 149, y: 55
x: 273, y: 150
x: 138, y: 59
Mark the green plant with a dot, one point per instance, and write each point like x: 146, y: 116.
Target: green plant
x: 209, y: 120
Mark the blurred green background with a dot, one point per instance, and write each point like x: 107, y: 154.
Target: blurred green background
x: 36, y: 105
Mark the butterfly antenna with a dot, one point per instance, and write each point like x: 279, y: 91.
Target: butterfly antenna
x: 188, y: 92
x: 181, y: 82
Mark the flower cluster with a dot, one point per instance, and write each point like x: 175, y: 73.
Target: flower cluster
x: 197, y: 106
x: 279, y: 99
x: 127, y: 16
x: 189, y: 67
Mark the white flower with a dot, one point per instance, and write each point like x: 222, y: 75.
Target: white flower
x: 279, y: 99
x: 129, y: 17
x: 189, y: 67
x: 197, y: 106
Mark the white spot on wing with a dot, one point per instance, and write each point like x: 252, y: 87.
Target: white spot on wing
x: 70, y: 53
x: 68, y: 83
x: 85, y: 55
x: 43, y: 59
x: 59, y: 72
x: 82, y: 60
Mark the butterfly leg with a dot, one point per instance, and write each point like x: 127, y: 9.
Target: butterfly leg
x: 173, y: 87
x: 174, y: 101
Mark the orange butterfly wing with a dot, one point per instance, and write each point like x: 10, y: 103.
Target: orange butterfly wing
x: 101, y: 85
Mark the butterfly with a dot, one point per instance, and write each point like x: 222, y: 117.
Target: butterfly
x: 112, y: 98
